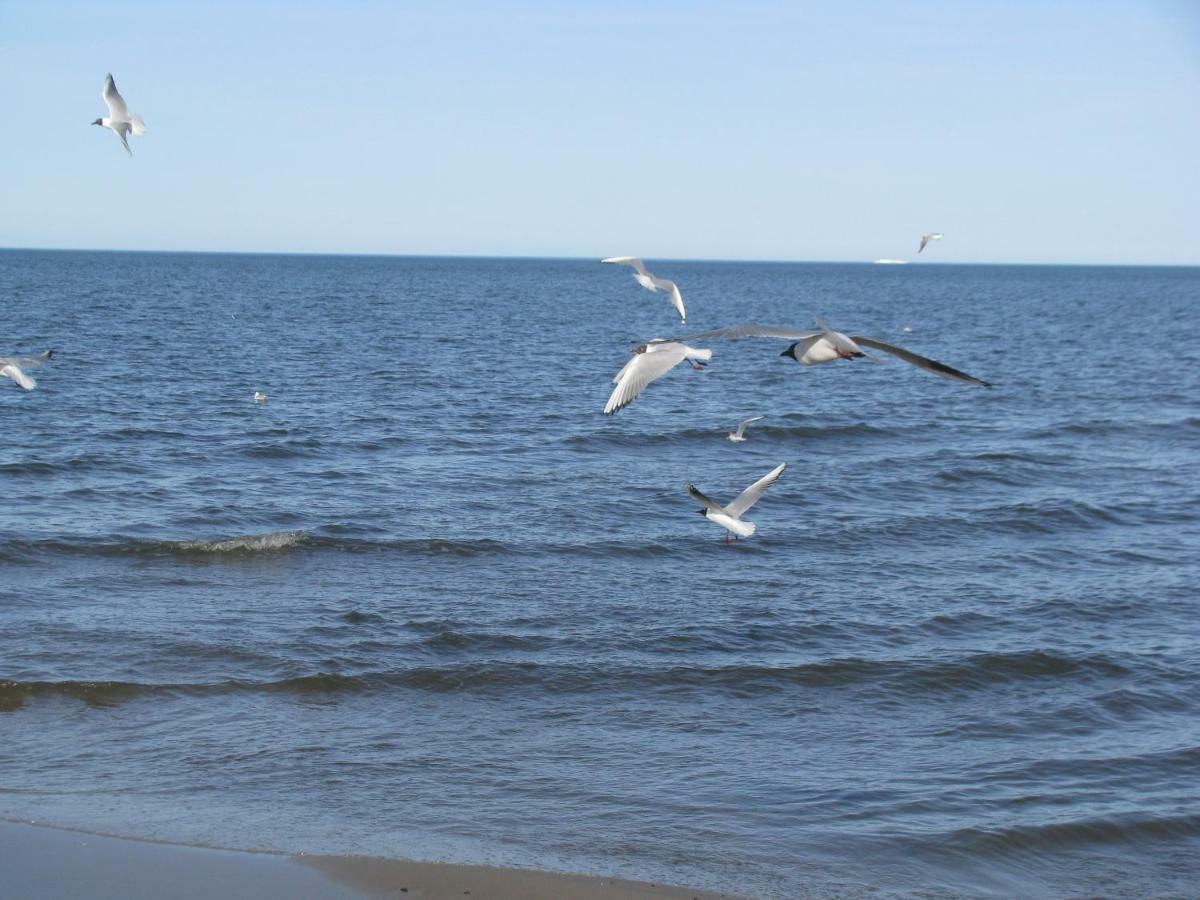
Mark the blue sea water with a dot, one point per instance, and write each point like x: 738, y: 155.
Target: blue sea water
x: 429, y: 602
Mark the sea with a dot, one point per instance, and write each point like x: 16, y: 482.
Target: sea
x: 429, y: 602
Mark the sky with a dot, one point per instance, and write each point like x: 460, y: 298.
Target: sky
x: 1026, y: 131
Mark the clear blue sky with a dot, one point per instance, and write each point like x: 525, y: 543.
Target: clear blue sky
x: 1025, y: 130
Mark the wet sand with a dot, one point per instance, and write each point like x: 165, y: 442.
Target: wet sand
x: 49, y: 863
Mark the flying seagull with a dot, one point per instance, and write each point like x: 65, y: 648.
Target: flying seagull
x: 260, y: 397
x: 14, y: 367
x: 738, y: 436
x: 730, y: 517
x: 652, y: 283
x: 812, y: 348
x: 926, y: 238
x: 119, y: 119
x: 650, y: 362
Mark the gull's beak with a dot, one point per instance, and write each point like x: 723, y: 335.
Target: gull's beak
x: 702, y: 511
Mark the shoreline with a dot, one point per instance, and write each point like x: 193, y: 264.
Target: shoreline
x: 48, y: 861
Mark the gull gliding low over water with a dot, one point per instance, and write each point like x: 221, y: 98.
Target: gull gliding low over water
x: 738, y: 436
x: 651, y: 282
x: 14, y: 367
x: 926, y: 238
x: 730, y: 516
x: 650, y: 361
x: 811, y: 348
x: 119, y: 118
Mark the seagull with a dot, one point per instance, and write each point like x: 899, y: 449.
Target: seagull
x: 120, y: 120
x: 260, y: 397
x: 14, y: 367
x: 730, y: 517
x: 812, y: 348
x: 651, y: 282
x: 650, y: 361
x: 926, y: 238
x: 738, y: 436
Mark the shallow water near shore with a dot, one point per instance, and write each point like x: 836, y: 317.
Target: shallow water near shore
x: 428, y: 602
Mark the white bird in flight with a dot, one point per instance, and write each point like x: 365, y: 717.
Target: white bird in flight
x: 260, y: 397
x: 926, y: 238
x: 14, y: 367
x: 730, y: 516
x: 119, y: 118
x: 811, y: 348
x: 738, y: 436
x: 652, y: 283
x: 650, y: 361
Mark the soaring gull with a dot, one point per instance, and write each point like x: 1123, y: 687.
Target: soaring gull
x: 652, y: 282
x: 811, y: 348
x: 14, y: 367
x: 730, y: 516
x: 119, y: 118
x: 926, y: 238
x: 740, y: 435
x: 650, y: 361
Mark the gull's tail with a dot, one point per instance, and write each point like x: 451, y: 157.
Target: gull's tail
x: 137, y: 125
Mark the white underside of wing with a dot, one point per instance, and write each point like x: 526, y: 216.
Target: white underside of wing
x: 751, y: 495
x: 15, y: 373
x: 117, y: 110
x: 635, y: 375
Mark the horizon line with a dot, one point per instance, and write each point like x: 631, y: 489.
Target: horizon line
x: 579, y: 258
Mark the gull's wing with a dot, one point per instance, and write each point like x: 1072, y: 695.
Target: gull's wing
x: 644, y: 368
x: 924, y: 241
x: 628, y: 261
x: 117, y: 110
x: 673, y: 296
x: 27, y: 362
x: 921, y: 362
x: 15, y: 373
x: 750, y: 495
x: 742, y: 425
x: 733, y: 332
x: 122, y: 131
x: 707, y: 501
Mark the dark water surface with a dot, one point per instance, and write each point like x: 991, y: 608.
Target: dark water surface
x: 429, y: 602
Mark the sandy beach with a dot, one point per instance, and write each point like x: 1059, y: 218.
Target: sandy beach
x: 46, y: 863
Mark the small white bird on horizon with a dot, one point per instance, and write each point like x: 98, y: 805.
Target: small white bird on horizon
x: 650, y: 361
x: 738, y: 436
x: 652, y: 283
x: 119, y: 118
x: 926, y: 238
x: 14, y: 367
x: 260, y: 397
x: 730, y: 517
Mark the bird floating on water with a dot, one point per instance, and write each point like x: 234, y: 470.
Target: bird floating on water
x: 650, y: 361
x: 730, y: 516
x: 652, y: 282
x: 119, y: 118
x: 926, y: 238
x: 14, y: 367
x: 738, y: 436
x: 260, y: 397
x: 811, y: 348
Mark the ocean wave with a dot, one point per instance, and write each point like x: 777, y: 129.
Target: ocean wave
x: 976, y: 672
x: 613, y: 438
x: 1087, y: 832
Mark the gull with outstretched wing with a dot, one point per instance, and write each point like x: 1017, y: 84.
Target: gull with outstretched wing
x: 650, y: 361
x: 729, y: 516
x: 652, y: 283
x: 14, y: 367
x: 119, y: 119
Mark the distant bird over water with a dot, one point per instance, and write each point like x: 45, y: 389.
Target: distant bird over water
x: 651, y: 282
x: 926, y: 238
x: 119, y: 118
x: 650, y: 362
x: 14, y: 367
x: 730, y: 516
x: 260, y: 397
x: 738, y: 436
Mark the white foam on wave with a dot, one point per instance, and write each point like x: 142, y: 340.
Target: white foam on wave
x: 250, y: 543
